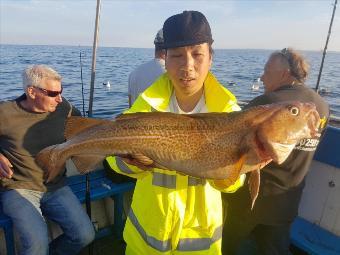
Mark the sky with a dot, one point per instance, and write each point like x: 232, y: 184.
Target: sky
x: 270, y: 24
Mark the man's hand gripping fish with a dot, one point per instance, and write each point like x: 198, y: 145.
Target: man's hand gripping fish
x: 217, y: 146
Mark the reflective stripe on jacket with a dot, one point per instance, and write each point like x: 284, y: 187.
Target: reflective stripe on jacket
x: 173, y: 213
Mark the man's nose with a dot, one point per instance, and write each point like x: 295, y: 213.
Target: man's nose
x: 261, y: 78
x: 188, y: 62
x: 59, y: 99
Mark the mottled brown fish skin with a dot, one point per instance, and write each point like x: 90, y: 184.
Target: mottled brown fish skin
x: 201, y: 145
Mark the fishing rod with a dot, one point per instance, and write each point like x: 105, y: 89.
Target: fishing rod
x: 94, y: 54
x: 89, y: 113
x: 87, y: 193
x: 82, y: 82
x: 325, y: 49
x: 87, y: 176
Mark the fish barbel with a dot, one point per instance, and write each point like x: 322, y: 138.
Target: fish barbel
x: 218, y: 146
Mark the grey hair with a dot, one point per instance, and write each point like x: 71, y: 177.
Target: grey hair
x: 33, y: 75
x: 296, y: 62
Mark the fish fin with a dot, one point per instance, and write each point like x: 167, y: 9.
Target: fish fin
x: 146, y: 161
x: 157, y: 165
x: 76, y: 124
x: 125, y: 116
x: 134, y: 115
x: 142, y: 159
x: 234, y: 175
x: 206, y: 115
x: 87, y: 163
x: 169, y: 114
x: 254, y: 186
x: 48, y: 159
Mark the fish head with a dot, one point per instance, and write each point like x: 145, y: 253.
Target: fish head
x: 283, y: 127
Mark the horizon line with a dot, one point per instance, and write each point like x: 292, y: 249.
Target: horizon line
x: 124, y: 47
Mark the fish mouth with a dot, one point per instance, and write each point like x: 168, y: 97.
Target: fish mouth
x: 278, y: 152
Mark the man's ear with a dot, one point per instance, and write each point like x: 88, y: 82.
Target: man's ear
x: 30, y: 92
x: 285, y: 74
x: 165, y: 61
x: 210, y: 60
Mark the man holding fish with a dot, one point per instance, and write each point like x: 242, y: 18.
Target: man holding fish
x: 182, y: 161
x: 173, y: 213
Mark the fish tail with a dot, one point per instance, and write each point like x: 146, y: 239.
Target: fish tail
x: 50, y: 161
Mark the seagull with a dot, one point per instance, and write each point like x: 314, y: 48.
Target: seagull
x: 107, y: 84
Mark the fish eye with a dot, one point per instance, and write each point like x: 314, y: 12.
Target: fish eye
x: 294, y: 110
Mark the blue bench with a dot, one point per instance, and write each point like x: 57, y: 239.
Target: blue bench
x: 100, y: 187
x: 314, y: 239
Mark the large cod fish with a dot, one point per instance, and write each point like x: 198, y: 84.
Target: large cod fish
x: 218, y: 146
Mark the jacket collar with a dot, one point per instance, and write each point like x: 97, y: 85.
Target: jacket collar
x: 217, y: 97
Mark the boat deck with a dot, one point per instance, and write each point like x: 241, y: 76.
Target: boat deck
x: 106, y: 246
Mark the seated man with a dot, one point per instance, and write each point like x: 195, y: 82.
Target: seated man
x: 173, y: 213
x: 28, y: 124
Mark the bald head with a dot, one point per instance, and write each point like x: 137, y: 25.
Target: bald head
x: 279, y: 61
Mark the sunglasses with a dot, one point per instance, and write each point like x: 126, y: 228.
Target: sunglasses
x: 287, y: 55
x: 50, y: 93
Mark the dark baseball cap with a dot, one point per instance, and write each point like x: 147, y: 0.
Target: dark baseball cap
x: 185, y: 29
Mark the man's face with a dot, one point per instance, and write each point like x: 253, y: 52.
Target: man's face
x: 274, y: 75
x: 188, y: 67
x: 42, y: 101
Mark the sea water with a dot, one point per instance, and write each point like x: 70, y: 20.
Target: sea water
x: 235, y: 69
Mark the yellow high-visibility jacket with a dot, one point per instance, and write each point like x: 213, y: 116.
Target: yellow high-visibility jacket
x: 173, y: 213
